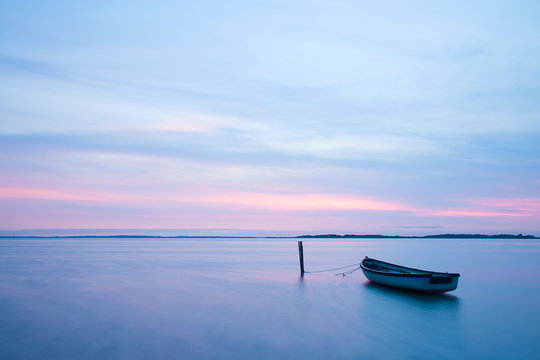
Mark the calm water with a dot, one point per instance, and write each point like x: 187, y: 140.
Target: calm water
x: 243, y: 298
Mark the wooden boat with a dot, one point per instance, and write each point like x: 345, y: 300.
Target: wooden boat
x: 408, y: 278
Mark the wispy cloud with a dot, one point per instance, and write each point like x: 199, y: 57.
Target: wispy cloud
x: 297, y: 202
x: 465, y: 213
x: 61, y: 195
x: 491, y: 207
x: 194, y: 122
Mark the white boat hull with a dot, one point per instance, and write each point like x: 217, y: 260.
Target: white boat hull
x: 407, y: 278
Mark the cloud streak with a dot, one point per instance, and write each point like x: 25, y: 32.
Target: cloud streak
x: 226, y: 199
x: 60, y: 195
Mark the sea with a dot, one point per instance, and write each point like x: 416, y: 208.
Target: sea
x: 244, y: 298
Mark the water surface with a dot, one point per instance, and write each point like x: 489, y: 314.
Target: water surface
x: 243, y: 298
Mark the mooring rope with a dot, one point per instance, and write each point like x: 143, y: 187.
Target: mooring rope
x: 339, y: 268
x: 349, y: 272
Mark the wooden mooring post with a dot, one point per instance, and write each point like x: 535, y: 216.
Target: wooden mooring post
x: 301, y: 255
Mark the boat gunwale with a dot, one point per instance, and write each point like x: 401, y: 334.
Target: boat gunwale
x: 424, y: 273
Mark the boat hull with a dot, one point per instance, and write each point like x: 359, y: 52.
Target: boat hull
x: 408, y: 278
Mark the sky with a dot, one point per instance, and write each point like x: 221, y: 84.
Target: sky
x: 270, y: 117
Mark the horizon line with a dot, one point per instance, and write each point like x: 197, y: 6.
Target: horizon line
x: 319, y: 236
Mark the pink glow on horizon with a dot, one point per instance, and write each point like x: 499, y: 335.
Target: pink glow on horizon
x: 221, y: 208
x: 525, y: 205
x: 492, y: 207
x: 300, y: 202
x: 465, y: 213
x: 52, y: 194
x: 219, y: 198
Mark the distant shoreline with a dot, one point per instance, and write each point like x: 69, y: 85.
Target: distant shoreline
x: 439, y: 236
x: 131, y: 236
x: 321, y: 236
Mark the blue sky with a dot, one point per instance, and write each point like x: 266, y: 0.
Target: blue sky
x: 271, y: 116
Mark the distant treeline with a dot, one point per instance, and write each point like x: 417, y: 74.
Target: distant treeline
x: 121, y: 237
x: 440, y: 236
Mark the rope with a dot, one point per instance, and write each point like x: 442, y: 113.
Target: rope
x: 348, y: 272
x: 334, y: 269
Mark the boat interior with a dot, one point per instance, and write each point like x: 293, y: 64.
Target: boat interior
x: 390, y: 268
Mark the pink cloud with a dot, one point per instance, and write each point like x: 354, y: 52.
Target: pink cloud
x: 211, y: 207
x: 212, y: 197
x: 53, y: 194
x: 299, y: 202
x: 524, y: 205
x: 491, y: 207
x: 465, y: 213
